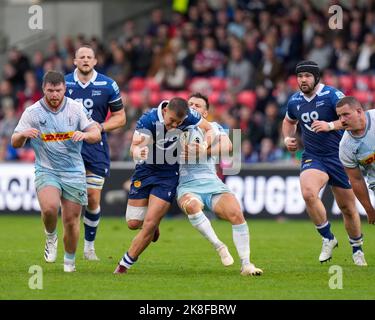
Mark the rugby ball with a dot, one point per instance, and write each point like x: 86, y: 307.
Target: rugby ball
x: 192, y: 135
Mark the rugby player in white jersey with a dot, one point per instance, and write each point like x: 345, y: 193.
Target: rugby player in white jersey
x: 200, y: 187
x: 357, y: 149
x: 57, y: 126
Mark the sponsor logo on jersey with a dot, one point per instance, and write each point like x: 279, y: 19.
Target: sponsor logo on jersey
x: 137, y: 183
x: 296, y: 98
x: 323, y: 93
x: 319, y: 103
x: 100, y: 83
x: 306, y: 165
x: 368, y: 160
x: 58, y: 136
x: 115, y: 87
x: 96, y: 93
x: 339, y: 94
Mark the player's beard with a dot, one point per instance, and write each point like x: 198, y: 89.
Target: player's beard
x: 308, y: 89
x: 54, y: 103
x: 86, y: 71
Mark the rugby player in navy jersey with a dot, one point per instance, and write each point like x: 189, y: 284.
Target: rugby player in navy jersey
x: 155, y: 180
x: 314, y: 108
x: 99, y: 94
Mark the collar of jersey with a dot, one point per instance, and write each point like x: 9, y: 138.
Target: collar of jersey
x: 320, y: 88
x: 44, y: 105
x: 93, y: 78
x: 160, y: 108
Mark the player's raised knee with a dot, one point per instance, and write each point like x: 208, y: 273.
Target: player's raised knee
x: 192, y: 205
x: 134, y: 224
x: 135, y: 216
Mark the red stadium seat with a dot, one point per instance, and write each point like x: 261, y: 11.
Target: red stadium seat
x: 215, y: 97
x: 347, y: 83
x: 136, y: 84
x: 155, y: 98
x: 135, y: 98
x: 373, y: 82
x: 199, y: 84
x: 218, y: 84
x: 183, y: 94
x: 167, y: 95
x: 328, y: 79
x: 363, y: 96
x: 292, y: 82
x: 247, y: 98
x: 152, y: 84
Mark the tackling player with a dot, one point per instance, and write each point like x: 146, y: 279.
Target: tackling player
x: 199, y: 187
x: 154, y: 182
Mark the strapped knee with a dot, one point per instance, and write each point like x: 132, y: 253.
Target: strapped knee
x: 135, y: 213
x: 188, y: 201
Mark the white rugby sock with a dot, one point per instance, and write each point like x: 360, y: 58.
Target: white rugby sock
x: 241, y: 239
x: 200, y: 222
x: 69, y: 258
x: 51, y: 235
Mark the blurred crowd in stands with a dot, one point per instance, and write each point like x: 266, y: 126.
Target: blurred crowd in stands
x: 242, y: 54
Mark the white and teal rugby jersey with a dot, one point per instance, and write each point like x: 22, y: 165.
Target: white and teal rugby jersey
x: 54, y: 150
x: 206, y: 170
x: 360, y: 151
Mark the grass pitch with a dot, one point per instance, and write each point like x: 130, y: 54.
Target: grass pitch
x: 183, y: 265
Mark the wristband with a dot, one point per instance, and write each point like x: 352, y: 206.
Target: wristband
x: 331, y: 126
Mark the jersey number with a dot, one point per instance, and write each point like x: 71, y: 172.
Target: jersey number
x: 308, y: 117
x: 87, y: 103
